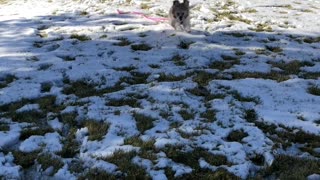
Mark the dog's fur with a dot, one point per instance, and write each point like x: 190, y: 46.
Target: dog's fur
x: 179, y: 16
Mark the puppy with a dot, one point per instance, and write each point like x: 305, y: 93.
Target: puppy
x: 179, y: 16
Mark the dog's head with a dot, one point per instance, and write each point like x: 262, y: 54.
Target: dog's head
x: 180, y: 11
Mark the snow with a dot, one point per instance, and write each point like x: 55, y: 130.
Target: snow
x: 37, y: 48
x: 50, y: 142
x: 7, y: 167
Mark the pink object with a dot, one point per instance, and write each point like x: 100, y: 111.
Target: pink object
x: 155, y: 19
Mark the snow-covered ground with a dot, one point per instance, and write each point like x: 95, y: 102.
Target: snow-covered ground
x: 243, y: 85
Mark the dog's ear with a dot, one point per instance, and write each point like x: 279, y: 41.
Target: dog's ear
x: 175, y: 2
x: 186, y: 2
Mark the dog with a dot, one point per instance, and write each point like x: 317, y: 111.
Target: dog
x: 179, y: 16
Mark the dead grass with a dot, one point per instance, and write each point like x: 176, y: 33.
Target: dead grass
x: 97, y: 130
x: 288, y: 167
x: 128, y: 169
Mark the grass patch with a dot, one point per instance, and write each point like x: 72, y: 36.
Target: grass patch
x: 129, y: 170
x: 143, y: 121
x: 191, y: 158
x: 288, y: 167
x: 178, y: 60
x: 292, y: 67
x: 97, y: 130
x: 80, y: 37
x: 40, y: 131
x: 6, y: 80
x: 144, y: 6
x: 46, y: 87
x: 146, y: 147
x: 237, y: 34
x: 83, y: 88
x: 154, y: 66
x: 126, y: 68
x: 123, y: 42
x: 136, y: 78
x: 203, y: 78
x: 48, y: 160
x: 70, y: 145
x: 206, y: 174
x: 258, y: 159
x: 186, y: 115
x: 279, y: 77
x: 236, y: 136
x: 97, y: 174
x: 250, y: 115
x: 69, y: 118
x: 141, y: 47
x: 138, y: 142
x: 170, y: 78
x: 285, y: 136
x: 31, y: 116
x: 4, y: 127
x: 127, y: 101
x: 209, y: 115
x: 239, y: 52
x: 238, y: 18
x: 184, y: 44
x: 261, y: 28
x: 223, y: 65
x: 68, y: 58
x: 242, y: 98
x: 274, y: 49
x: 25, y: 160
x: 314, y: 90
x: 310, y: 40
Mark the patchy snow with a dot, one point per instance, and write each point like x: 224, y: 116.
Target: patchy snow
x: 192, y: 89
